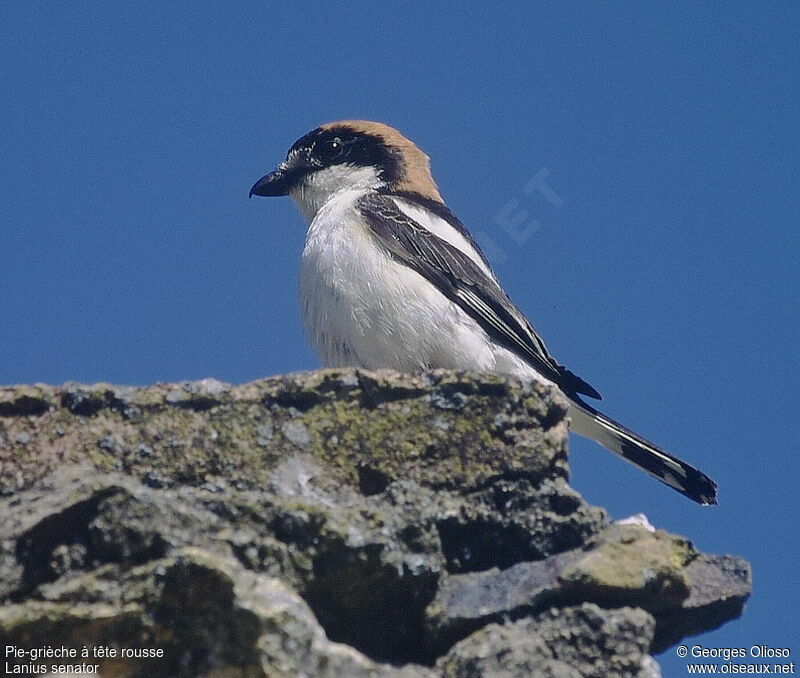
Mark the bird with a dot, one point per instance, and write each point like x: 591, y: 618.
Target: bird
x: 391, y: 278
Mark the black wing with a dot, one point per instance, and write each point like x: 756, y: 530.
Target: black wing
x: 462, y: 281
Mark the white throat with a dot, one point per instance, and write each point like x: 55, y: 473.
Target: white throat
x: 319, y: 187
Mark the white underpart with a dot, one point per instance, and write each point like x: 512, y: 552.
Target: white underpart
x: 362, y: 308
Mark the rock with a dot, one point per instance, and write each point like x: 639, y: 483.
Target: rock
x: 571, y: 642
x: 206, y: 614
x: 338, y: 522
x: 622, y: 565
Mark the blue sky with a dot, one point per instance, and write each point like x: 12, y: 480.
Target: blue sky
x: 662, y: 267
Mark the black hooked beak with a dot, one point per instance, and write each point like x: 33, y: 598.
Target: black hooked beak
x: 275, y: 183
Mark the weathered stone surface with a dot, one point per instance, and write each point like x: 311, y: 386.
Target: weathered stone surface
x: 335, y: 522
x: 685, y: 591
x: 438, y: 429
x: 210, y: 615
x: 573, y: 642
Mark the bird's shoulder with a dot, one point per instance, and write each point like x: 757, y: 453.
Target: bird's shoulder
x: 438, y: 218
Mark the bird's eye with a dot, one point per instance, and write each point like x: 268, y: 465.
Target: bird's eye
x: 330, y: 150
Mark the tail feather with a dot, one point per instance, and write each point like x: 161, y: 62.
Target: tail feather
x: 679, y: 475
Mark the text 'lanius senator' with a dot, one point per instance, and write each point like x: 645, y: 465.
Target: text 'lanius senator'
x: 390, y: 277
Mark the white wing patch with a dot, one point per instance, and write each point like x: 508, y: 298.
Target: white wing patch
x: 439, y: 227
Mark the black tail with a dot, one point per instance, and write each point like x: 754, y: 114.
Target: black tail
x: 670, y: 470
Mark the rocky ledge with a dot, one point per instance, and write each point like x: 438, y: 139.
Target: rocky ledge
x: 333, y: 523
